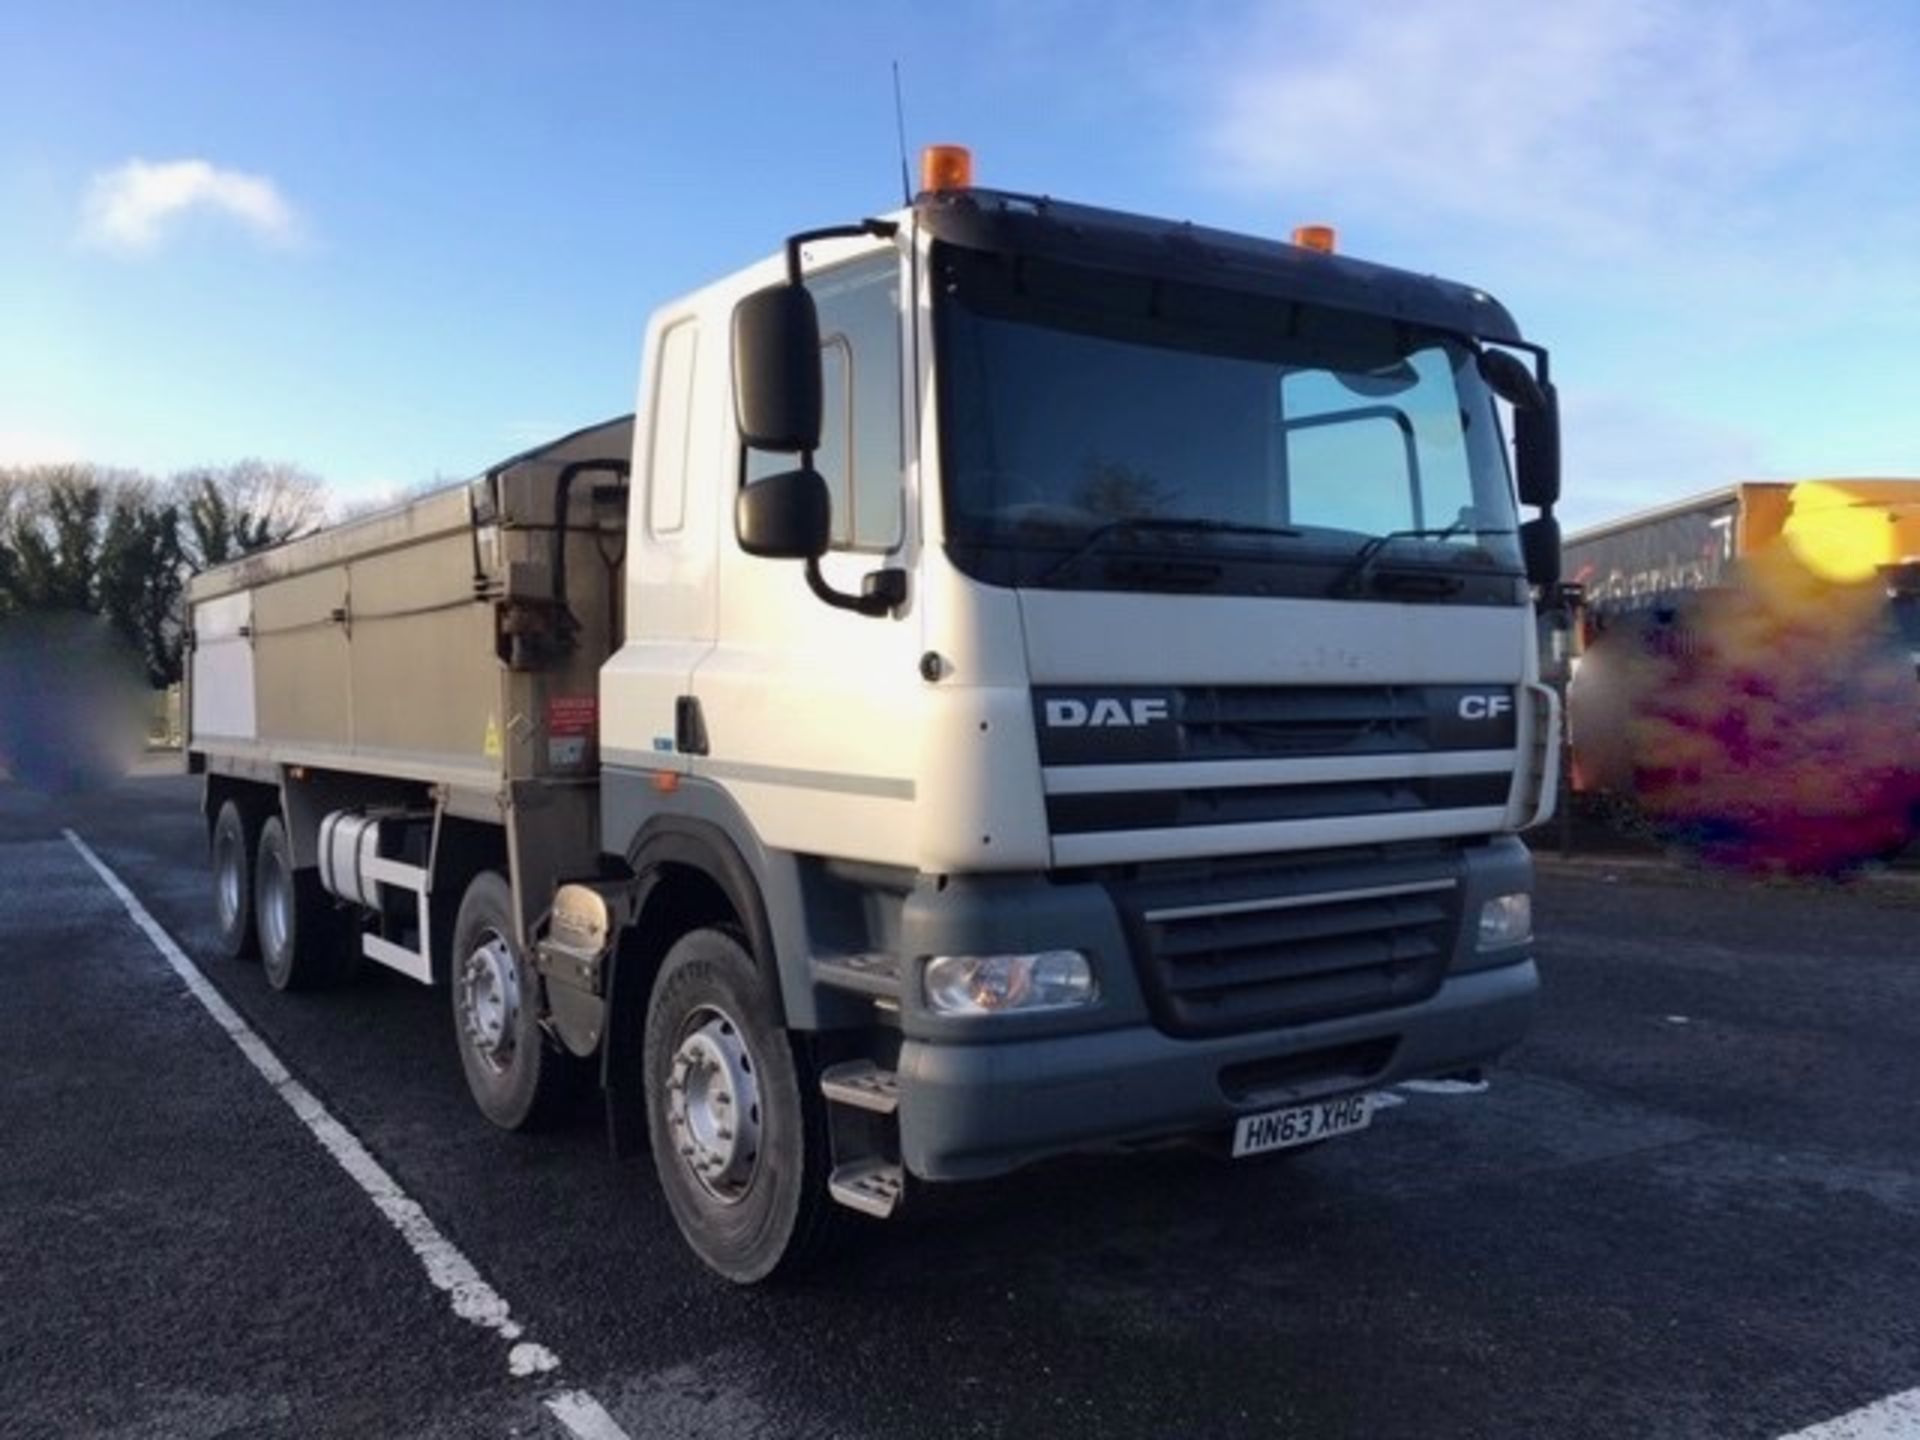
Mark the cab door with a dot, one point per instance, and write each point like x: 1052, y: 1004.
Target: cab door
x: 682, y: 425
x: 809, y: 709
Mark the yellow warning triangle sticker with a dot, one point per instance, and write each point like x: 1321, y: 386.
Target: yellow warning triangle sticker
x: 492, y: 746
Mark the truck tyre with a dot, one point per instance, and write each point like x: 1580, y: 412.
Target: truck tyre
x: 519, y: 1078
x: 736, y: 1119
x: 303, y: 937
x: 232, y: 846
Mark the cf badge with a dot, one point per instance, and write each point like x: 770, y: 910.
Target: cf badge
x: 1484, y: 707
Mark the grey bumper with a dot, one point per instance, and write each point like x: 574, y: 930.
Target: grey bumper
x: 972, y: 1110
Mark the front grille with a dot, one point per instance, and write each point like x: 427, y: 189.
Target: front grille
x: 1257, y: 722
x: 1258, y: 804
x: 1128, y: 724
x: 1226, y: 946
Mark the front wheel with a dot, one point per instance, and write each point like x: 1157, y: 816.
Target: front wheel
x: 739, y: 1134
x: 519, y: 1078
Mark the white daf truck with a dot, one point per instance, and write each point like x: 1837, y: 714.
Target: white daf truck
x: 1028, y: 678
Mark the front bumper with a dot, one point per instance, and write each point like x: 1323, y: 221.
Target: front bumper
x: 974, y: 1110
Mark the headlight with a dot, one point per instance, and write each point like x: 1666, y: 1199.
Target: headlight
x: 1506, y: 920
x: 998, y: 984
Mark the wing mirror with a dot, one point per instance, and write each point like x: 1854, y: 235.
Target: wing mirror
x: 1511, y: 380
x: 1540, y: 550
x: 776, y: 370
x: 1536, y: 425
x: 1536, y: 452
x: 788, y: 516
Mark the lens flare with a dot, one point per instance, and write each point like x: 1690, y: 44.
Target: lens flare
x: 1771, y: 724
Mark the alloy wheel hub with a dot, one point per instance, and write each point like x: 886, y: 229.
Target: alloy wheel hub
x: 713, y: 1106
x: 490, y: 1001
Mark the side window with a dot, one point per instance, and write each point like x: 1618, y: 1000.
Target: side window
x: 836, y: 429
x: 862, y: 452
x: 672, y: 428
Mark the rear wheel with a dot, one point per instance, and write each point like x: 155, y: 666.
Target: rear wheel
x: 736, y: 1119
x: 232, y: 846
x: 303, y: 936
x: 519, y: 1078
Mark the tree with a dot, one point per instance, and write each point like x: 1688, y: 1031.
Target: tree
x: 52, y: 537
x: 77, y: 540
x: 118, y: 544
x: 234, y: 509
x: 12, y: 491
x: 142, y: 580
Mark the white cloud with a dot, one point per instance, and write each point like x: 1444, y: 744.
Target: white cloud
x: 24, y: 447
x: 1606, y: 125
x: 133, y: 207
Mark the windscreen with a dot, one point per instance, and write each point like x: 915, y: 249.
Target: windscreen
x: 1093, y: 422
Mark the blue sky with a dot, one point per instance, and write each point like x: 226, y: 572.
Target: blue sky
x: 396, y: 242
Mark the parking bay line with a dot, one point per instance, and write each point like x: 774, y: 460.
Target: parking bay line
x: 1895, y: 1418
x: 449, y: 1270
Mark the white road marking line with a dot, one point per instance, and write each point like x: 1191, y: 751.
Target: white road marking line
x: 1895, y: 1418
x: 1443, y: 1087
x: 471, y: 1297
x: 583, y: 1416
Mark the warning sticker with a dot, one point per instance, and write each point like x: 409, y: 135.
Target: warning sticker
x: 572, y: 715
x: 491, y: 747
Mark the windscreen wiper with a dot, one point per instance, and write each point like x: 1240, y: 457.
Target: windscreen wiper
x: 1169, y: 524
x: 1352, y: 579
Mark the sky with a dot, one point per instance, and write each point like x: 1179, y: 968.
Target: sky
x: 397, y: 242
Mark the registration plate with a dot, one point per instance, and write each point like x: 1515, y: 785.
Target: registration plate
x: 1301, y: 1124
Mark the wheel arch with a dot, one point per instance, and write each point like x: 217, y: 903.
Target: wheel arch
x: 254, y: 799
x: 689, y: 875
x: 691, y: 868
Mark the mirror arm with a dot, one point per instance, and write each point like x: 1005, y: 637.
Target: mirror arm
x: 874, y: 604
x: 1541, y: 371
x: 886, y: 229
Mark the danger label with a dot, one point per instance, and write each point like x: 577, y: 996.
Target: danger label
x: 572, y: 715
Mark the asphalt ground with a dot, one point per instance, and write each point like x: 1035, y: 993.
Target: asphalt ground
x: 1688, y: 1205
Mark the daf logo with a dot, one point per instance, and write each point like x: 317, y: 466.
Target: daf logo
x: 1105, y: 712
x: 1484, y: 707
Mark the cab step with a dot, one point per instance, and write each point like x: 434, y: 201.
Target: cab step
x: 872, y: 1187
x: 862, y: 1084
x: 872, y: 974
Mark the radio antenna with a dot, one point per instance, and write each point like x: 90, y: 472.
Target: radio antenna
x: 900, y: 129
